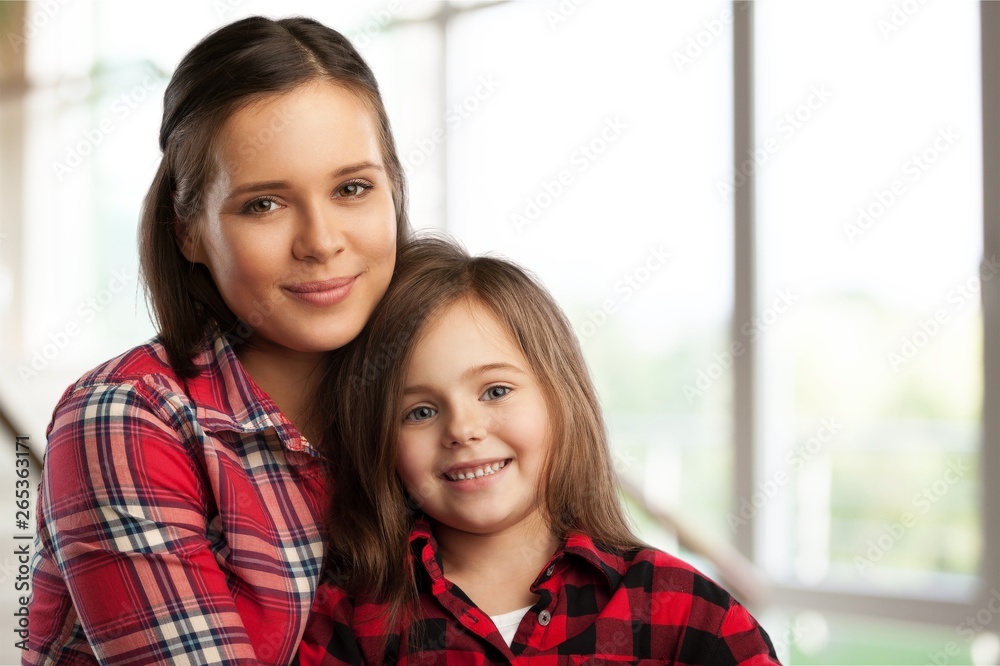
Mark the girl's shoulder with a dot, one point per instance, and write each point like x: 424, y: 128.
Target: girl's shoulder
x: 657, y: 558
x: 669, y: 573
x: 681, y: 594
x: 666, y: 592
x: 647, y: 568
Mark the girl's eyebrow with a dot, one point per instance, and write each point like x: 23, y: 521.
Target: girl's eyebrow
x: 469, y: 374
x: 489, y: 367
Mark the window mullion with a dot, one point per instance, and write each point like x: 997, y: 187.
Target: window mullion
x: 744, y: 272
x: 990, y: 451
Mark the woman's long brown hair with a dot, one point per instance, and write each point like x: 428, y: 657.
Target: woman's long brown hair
x: 371, y: 514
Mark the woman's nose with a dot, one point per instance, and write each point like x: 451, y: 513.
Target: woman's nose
x: 320, y: 234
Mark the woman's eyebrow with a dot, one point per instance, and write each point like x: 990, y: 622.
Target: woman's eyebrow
x: 248, y: 188
x: 358, y: 166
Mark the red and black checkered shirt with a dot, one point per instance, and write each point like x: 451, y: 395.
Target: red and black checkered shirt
x: 641, y: 607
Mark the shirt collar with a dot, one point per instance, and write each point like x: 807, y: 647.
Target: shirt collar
x: 581, y: 546
x: 226, y: 398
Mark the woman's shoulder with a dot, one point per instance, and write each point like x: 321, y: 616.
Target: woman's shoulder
x: 145, y: 365
x: 145, y: 362
x: 143, y: 378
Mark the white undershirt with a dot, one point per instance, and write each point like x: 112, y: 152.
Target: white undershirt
x: 507, y: 623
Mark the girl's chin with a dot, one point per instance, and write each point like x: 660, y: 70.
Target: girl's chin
x: 486, y: 525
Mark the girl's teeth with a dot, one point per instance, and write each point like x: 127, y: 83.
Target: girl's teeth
x: 485, y: 470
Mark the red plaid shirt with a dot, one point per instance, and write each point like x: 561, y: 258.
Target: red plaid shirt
x: 178, y: 520
x: 643, y: 607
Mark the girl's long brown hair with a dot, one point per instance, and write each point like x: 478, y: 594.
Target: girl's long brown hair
x: 371, y: 514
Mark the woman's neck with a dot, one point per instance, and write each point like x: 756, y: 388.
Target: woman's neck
x: 289, y: 378
x: 496, y: 570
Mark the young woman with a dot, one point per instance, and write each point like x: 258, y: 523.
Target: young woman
x: 183, y: 489
x: 473, y: 473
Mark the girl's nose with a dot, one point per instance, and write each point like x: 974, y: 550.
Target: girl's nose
x: 466, y: 425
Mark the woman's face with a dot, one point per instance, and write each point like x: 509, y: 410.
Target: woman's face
x: 298, y: 229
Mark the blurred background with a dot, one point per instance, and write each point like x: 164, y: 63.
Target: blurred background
x: 765, y: 220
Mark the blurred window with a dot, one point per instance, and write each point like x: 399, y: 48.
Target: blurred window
x: 593, y: 142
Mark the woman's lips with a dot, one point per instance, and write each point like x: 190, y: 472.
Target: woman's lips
x: 327, y: 292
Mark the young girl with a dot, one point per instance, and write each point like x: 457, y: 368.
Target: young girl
x: 182, y: 494
x: 473, y: 477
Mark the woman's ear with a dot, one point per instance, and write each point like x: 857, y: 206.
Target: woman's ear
x: 190, y: 242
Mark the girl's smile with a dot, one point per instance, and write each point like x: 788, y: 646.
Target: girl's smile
x: 475, y: 470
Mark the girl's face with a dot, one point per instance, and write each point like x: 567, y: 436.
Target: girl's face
x: 475, y: 426
x: 298, y: 229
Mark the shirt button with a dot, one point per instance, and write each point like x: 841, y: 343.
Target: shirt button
x: 544, y: 618
x: 548, y: 572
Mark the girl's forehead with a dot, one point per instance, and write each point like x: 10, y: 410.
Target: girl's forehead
x: 461, y: 335
x: 465, y: 317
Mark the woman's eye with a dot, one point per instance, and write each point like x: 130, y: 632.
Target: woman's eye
x: 418, y: 414
x: 260, y: 206
x: 353, y: 189
x: 496, y: 392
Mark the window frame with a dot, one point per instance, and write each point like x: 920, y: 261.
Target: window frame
x: 950, y: 607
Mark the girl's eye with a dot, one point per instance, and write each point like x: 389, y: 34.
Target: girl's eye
x: 260, y: 206
x: 418, y: 414
x: 496, y: 392
x: 353, y: 189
